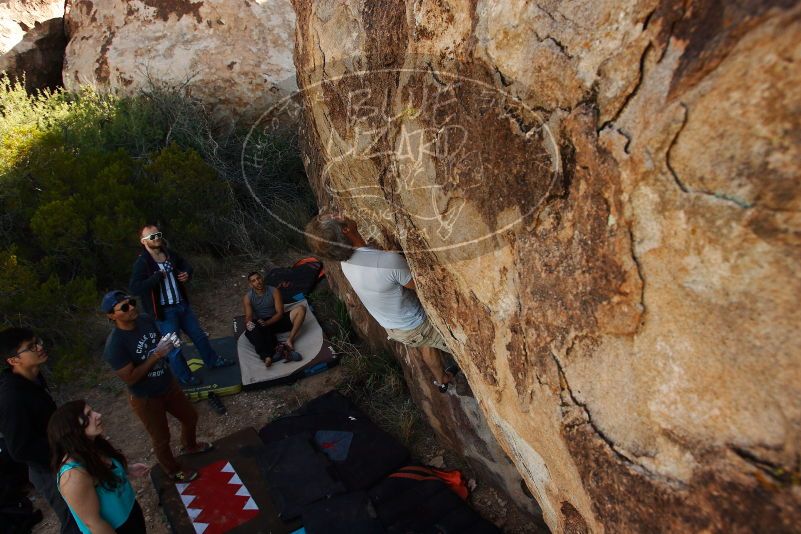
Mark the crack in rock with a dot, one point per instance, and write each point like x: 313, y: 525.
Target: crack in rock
x: 680, y: 183
x: 673, y: 173
x: 621, y: 454
x: 324, y: 76
x: 633, y: 93
x: 559, y: 45
x: 640, y: 273
x: 775, y: 471
x: 435, y: 76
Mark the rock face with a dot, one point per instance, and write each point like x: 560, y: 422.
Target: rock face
x: 32, y: 41
x: 236, y: 56
x: 456, y: 417
x: 600, y: 203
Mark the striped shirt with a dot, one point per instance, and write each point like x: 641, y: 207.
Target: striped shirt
x: 168, y: 289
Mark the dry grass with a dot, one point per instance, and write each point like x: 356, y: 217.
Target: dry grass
x: 373, y: 381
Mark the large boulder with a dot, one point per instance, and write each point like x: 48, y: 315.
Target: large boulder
x: 456, y: 417
x: 32, y: 41
x: 600, y: 203
x: 236, y: 57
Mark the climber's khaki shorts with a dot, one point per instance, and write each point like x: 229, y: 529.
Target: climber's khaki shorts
x: 424, y: 335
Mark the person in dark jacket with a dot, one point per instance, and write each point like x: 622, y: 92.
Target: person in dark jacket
x: 158, y: 279
x: 25, y: 410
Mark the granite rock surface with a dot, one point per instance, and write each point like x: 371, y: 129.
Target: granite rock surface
x: 32, y: 41
x: 600, y: 205
x: 235, y: 57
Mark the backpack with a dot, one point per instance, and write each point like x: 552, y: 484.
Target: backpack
x: 296, y: 282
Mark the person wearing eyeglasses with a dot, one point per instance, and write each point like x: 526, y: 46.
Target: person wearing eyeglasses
x: 25, y: 410
x: 159, y: 278
x: 135, y: 350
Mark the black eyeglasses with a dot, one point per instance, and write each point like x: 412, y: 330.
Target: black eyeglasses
x: 35, y: 346
x: 153, y: 236
x: 131, y: 303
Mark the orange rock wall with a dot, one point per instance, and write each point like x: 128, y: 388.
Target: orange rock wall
x: 600, y: 205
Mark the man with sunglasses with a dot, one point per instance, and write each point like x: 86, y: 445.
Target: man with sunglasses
x: 135, y: 349
x: 159, y: 277
x: 25, y: 410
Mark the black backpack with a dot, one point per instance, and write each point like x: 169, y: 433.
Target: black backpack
x: 296, y: 282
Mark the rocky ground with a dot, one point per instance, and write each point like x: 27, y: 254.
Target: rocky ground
x: 216, y: 304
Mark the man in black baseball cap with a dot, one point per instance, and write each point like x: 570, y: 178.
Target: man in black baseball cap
x: 136, y: 351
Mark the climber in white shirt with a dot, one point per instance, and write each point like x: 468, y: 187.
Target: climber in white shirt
x: 384, y: 284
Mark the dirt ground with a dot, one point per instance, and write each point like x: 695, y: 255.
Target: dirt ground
x: 216, y: 303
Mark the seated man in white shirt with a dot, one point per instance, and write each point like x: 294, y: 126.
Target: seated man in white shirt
x: 384, y: 283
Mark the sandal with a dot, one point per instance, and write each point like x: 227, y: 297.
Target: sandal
x: 202, y: 446
x: 183, y: 476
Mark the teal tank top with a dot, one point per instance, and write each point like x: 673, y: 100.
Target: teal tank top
x: 115, y: 504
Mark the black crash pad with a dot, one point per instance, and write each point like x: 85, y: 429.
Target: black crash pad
x: 371, y: 453
x: 222, y: 381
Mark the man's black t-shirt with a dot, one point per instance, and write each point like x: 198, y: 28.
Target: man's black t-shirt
x: 134, y: 346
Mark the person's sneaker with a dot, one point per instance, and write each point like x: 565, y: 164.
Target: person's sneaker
x: 193, y: 381
x: 183, y: 476
x: 216, y: 404
x: 222, y: 362
x: 293, y: 356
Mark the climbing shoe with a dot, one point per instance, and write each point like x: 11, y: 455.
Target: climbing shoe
x: 452, y: 371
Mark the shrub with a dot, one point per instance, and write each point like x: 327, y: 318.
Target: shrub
x: 190, y: 198
x: 52, y: 308
x: 80, y: 173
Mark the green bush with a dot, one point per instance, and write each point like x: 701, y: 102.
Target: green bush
x: 190, y: 198
x: 80, y: 173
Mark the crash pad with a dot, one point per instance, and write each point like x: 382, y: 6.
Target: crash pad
x: 230, y: 494
x: 318, y: 354
x: 222, y: 381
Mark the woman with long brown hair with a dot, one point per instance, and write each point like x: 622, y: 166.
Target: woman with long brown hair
x: 91, y: 474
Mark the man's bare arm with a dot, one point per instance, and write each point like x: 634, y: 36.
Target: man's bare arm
x: 248, y: 309
x: 131, y: 374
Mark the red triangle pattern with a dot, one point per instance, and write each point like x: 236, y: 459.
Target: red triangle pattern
x: 221, y: 508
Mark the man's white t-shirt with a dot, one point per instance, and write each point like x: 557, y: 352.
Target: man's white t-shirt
x: 378, y: 278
